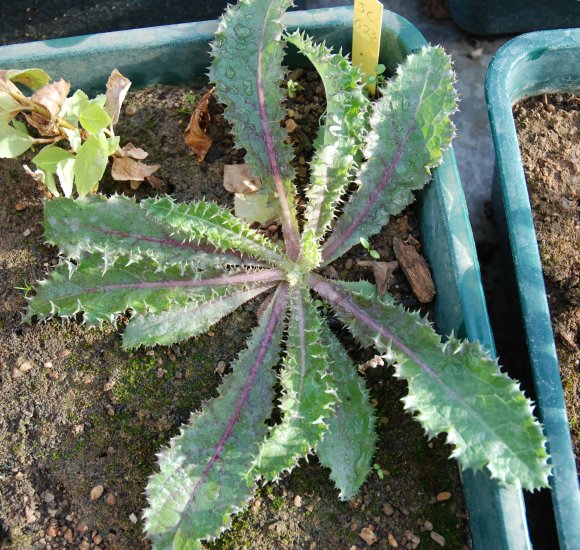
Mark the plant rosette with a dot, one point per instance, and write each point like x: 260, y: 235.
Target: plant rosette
x: 179, y: 268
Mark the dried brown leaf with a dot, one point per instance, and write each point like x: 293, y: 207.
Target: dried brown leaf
x: 238, y: 178
x: 382, y: 272
x: 130, y: 150
x: 117, y: 88
x: 51, y: 97
x: 194, y: 136
x: 125, y: 168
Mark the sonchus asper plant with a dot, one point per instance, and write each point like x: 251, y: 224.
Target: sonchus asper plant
x: 180, y: 268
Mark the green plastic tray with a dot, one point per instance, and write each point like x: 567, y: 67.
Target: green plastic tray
x: 515, y: 16
x: 179, y: 54
x: 535, y: 63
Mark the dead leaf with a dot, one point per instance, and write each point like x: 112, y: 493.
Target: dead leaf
x: 130, y: 150
x: 194, y: 136
x: 382, y: 272
x: 238, y: 178
x: 125, y: 168
x: 154, y: 181
x: 416, y: 270
x: 7, y: 85
x: 51, y: 97
x: 117, y: 88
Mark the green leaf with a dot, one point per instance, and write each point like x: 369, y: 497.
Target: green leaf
x: 206, y: 222
x: 93, y: 117
x: 32, y: 78
x: 49, y: 156
x: 454, y: 386
x: 13, y: 142
x: 180, y: 323
x: 336, y: 153
x: 205, y: 475
x: 118, y: 226
x: 308, y: 392
x: 113, y: 144
x: 73, y: 105
x: 90, y: 164
x: 410, y: 130
x: 349, y: 443
x: 65, y: 170
x: 50, y: 182
x: 247, y: 70
x: 20, y: 126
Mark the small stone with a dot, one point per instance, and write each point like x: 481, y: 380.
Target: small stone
x: 96, y: 492
x: 476, y: 54
x: 29, y: 515
x: 298, y: 501
x: 25, y: 366
x: 291, y: 125
x: 133, y: 518
x: 388, y: 510
x: 550, y: 108
x: 439, y: 539
x: 48, y: 497
x: 108, y: 386
x: 110, y: 410
x: 427, y: 525
x: 19, y: 207
x: 331, y: 272
x: 64, y: 353
x: 392, y: 540
x: 97, y: 539
x: 85, y: 545
x: 348, y: 264
x: 368, y: 535
x: 53, y: 375
x: 443, y: 496
x: 221, y: 367
x: 26, y: 233
x: 52, y: 531
x: 82, y: 527
x: 130, y: 110
x: 68, y: 535
x: 110, y: 499
x: 47, y: 365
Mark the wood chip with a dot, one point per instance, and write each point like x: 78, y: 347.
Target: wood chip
x: 382, y: 272
x: 416, y: 270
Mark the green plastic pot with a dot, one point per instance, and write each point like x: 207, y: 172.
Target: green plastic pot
x: 179, y: 54
x: 535, y: 63
x: 515, y: 16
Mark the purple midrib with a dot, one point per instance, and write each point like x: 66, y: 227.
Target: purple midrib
x: 257, y: 277
x: 339, y: 239
x: 275, y: 316
x: 290, y: 232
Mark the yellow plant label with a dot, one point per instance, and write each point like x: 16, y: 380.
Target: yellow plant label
x: 366, y: 37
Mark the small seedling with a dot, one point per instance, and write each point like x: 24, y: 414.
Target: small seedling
x: 379, y: 471
x: 367, y: 246
x: 180, y: 268
x: 377, y: 77
x: 293, y: 88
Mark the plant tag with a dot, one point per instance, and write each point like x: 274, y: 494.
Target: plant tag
x: 366, y: 37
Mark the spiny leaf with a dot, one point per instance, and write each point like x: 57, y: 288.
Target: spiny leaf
x: 207, y: 223
x: 341, y: 137
x: 179, y: 323
x: 101, y: 291
x: 410, y: 129
x: 307, y: 391
x: 204, y: 475
x: 118, y: 226
x: 247, y: 70
x: 348, y: 445
x: 454, y: 387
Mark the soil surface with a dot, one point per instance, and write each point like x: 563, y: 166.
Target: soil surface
x: 549, y: 134
x: 81, y: 419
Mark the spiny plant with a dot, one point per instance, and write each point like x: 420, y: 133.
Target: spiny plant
x: 75, y: 133
x: 181, y: 267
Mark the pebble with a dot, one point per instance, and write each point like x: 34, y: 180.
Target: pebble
x: 291, y: 125
x: 97, y: 539
x: 96, y: 492
x: 68, y: 535
x: 133, y: 518
x: 427, y: 525
x: 82, y: 527
x: 47, y: 365
x: 26, y: 233
x: 19, y: 206
x: 48, y: 497
x: 221, y: 367
x: 443, y: 496
x: 388, y: 510
x: 331, y: 272
x: 52, y: 531
x: 392, y: 540
x: 348, y: 264
x: 64, y: 353
x: 25, y: 366
x: 298, y: 501
x: 439, y: 539
x: 85, y: 545
x: 130, y: 110
x: 368, y: 535
x: 110, y: 499
x: 29, y: 514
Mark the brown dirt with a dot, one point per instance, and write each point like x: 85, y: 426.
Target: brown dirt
x: 549, y: 134
x: 97, y: 415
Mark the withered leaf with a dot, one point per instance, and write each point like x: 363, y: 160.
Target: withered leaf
x: 130, y: 150
x: 126, y: 168
x: 382, y: 272
x: 117, y: 88
x: 51, y: 97
x: 238, y: 178
x: 194, y: 136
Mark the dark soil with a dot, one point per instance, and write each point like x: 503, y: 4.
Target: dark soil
x: 76, y: 411
x: 549, y: 134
